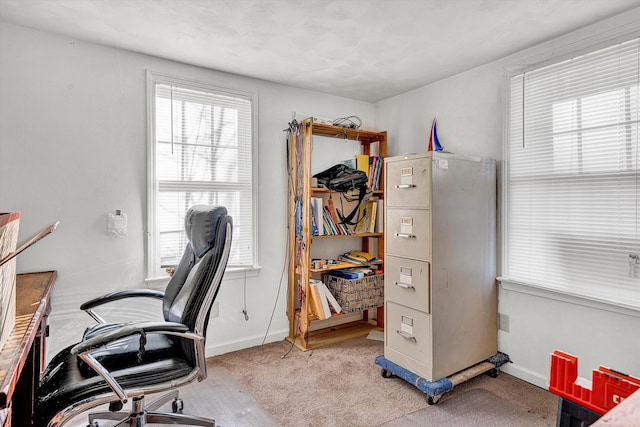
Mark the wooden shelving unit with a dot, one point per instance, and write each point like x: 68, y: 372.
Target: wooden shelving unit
x: 299, y: 310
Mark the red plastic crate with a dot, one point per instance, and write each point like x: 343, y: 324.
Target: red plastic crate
x: 608, y: 387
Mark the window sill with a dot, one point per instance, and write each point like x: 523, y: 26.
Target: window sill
x: 230, y: 274
x: 572, y: 297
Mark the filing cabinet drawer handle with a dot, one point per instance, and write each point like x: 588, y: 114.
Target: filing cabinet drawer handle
x: 405, y: 335
x: 406, y: 236
x: 404, y: 285
x: 406, y: 186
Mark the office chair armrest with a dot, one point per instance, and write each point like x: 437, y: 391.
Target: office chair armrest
x: 118, y: 295
x: 130, y: 329
x: 115, y: 296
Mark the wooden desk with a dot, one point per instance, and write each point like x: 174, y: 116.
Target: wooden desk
x: 22, y: 356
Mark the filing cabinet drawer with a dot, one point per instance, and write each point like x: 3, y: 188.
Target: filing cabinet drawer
x: 408, y: 233
x: 409, y: 182
x: 406, y: 282
x: 408, y: 331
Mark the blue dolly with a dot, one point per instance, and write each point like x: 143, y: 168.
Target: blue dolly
x: 434, y: 390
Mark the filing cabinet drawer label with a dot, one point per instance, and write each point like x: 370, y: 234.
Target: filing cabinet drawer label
x: 406, y: 225
x: 406, y: 325
x: 405, y: 275
x: 406, y: 177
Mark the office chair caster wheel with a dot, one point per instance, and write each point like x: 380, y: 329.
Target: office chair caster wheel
x: 386, y: 374
x: 177, y: 406
x: 432, y: 400
x: 493, y: 373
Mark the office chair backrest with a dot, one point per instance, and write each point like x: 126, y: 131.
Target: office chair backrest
x: 195, y: 283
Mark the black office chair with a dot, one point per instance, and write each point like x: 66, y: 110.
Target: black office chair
x: 117, y: 362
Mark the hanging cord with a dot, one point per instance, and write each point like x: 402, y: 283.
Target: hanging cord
x: 284, y: 265
x: 246, y: 316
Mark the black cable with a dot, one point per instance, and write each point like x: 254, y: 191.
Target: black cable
x: 284, y: 264
x: 246, y: 316
x: 351, y: 122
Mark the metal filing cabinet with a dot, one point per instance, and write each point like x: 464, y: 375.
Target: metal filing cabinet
x: 440, y: 262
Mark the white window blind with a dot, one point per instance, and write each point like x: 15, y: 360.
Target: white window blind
x: 202, y: 154
x: 572, y: 176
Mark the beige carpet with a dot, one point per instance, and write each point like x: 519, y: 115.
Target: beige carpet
x: 340, y: 385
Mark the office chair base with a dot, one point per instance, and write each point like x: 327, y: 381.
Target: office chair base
x: 142, y: 414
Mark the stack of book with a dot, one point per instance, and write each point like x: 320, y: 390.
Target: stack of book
x: 358, y: 257
x: 325, y: 220
x: 370, y: 217
x: 372, y: 166
x: 354, y: 273
x: 321, y: 299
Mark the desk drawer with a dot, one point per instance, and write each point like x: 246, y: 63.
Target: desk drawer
x: 408, y: 182
x: 408, y: 233
x: 407, y: 282
x: 408, y: 332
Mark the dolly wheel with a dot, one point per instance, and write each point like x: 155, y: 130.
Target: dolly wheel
x: 386, y: 374
x: 493, y: 373
x: 432, y: 400
x: 94, y: 424
x: 177, y: 406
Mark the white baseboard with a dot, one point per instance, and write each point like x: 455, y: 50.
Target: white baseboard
x: 217, y: 348
x: 525, y: 375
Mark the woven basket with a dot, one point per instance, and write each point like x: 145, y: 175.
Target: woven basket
x: 355, y: 295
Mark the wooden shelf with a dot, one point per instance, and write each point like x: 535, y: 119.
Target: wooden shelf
x: 299, y: 309
x: 342, y: 236
x: 335, y: 334
x: 363, y: 136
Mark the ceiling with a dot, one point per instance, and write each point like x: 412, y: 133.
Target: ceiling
x: 361, y: 49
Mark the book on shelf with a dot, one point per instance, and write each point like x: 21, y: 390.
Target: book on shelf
x: 319, y: 300
x: 330, y: 298
x: 373, y: 207
x: 372, y: 166
x: 323, y: 299
x: 380, y: 216
x: 316, y: 216
x: 367, y: 217
x: 362, y: 163
x: 375, y: 167
x: 353, y: 273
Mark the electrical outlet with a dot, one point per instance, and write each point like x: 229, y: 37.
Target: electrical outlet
x: 215, y: 310
x: 504, y: 322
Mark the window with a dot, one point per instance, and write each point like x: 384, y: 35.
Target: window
x: 200, y: 152
x: 572, y: 182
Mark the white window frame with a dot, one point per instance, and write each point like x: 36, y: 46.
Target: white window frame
x: 155, y: 273
x: 559, y: 53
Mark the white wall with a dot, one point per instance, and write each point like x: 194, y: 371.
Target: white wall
x: 470, y: 112
x: 73, y: 148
